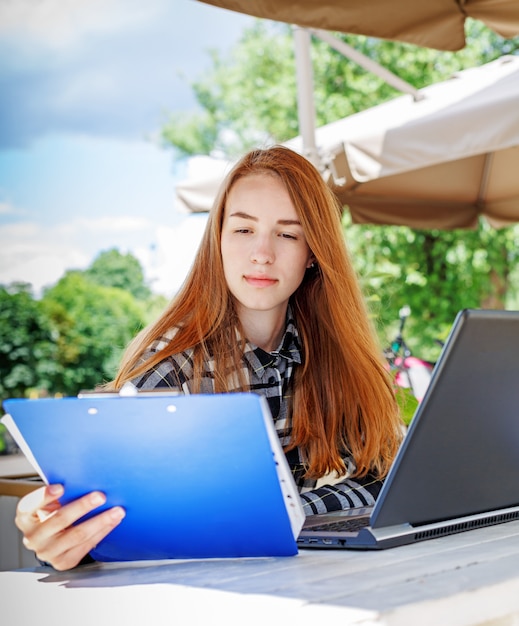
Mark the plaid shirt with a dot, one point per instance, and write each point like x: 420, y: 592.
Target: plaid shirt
x: 270, y: 374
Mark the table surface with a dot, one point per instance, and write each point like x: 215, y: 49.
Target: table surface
x: 17, y: 476
x: 464, y: 579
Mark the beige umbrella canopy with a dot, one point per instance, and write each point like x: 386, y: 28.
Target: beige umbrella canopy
x: 437, y: 162
x: 428, y: 23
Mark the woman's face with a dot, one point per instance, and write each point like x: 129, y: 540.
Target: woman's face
x: 264, y: 250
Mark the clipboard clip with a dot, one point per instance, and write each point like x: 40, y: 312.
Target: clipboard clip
x: 128, y: 390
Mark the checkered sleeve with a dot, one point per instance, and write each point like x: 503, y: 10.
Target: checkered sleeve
x: 174, y: 372
x: 164, y: 375
x: 333, y: 493
x: 346, y: 494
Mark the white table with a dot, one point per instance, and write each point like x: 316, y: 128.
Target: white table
x: 465, y: 579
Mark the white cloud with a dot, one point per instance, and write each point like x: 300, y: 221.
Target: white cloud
x: 168, y: 265
x: 40, y: 255
x: 58, y: 23
x: 6, y: 208
x: 102, y: 225
x: 31, y: 253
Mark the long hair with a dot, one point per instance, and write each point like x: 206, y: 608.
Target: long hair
x: 342, y: 397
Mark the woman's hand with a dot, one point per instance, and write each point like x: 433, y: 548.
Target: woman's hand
x: 48, y: 528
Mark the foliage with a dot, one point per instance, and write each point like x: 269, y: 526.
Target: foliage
x: 92, y: 325
x: 27, y: 348
x: 407, y: 404
x: 111, y: 268
x: 123, y: 271
x: 436, y: 273
x: 73, y: 337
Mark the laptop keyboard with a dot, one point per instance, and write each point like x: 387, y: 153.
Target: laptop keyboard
x: 347, y: 525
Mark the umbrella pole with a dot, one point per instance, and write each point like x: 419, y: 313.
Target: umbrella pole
x: 305, y: 93
x: 305, y: 82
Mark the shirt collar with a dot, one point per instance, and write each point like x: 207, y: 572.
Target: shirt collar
x: 289, y: 347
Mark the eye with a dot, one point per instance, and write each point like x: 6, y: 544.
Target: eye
x: 289, y: 236
x: 243, y: 230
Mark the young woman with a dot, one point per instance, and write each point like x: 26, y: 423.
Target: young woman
x: 272, y: 306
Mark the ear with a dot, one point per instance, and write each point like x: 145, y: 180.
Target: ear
x: 311, y: 262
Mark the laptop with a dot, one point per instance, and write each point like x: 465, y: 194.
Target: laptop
x: 200, y: 476
x: 458, y: 466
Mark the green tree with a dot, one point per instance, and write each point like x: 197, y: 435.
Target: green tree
x: 27, y: 348
x: 111, y: 268
x: 436, y: 273
x: 92, y: 325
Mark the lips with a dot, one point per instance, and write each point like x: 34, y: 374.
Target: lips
x: 260, y: 281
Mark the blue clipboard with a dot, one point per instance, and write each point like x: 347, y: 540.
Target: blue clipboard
x: 199, y: 476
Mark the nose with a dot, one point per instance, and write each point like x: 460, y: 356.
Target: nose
x: 262, y: 251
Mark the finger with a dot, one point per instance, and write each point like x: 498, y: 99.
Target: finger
x: 31, y: 507
x: 40, y: 498
x: 69, y: 548
x: 41, y: 530
x: 42, y: 527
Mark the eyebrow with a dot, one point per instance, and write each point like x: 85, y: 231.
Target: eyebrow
x: 246, y: 216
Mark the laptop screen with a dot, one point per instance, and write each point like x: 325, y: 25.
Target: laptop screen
x: 461, y: 454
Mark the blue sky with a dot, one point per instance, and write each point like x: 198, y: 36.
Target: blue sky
x: 86, y: 84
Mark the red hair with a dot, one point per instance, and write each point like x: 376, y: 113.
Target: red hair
x: 342, y: 398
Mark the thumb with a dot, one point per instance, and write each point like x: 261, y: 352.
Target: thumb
x: 43, y: 498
